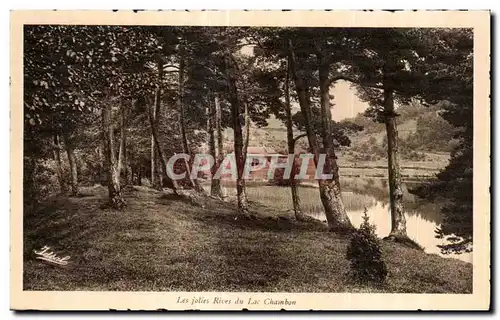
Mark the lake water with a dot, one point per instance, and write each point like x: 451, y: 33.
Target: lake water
x: 422, y: 218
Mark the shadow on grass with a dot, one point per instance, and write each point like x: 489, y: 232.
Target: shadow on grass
x: 257, y: 222
x: 252, y: 264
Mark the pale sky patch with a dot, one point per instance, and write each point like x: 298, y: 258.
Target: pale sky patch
x: 347, y: 104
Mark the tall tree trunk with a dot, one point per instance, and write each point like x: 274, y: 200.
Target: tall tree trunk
x: 114, y: 189
x: 398, y: 227
x: 215, y: 189
x: 156, y: 179
x: 59, y: 167
x: 246, y: 141
x: 101, y: 161
x: 158, y: 185
x: 121, y: 150
x: 154, y: 131
x: 161, y: 156
x: 70, y: 151
x: 153, y: 159
x: 329, y: 192
x: 182, y: 118
x: 238, y: 135
x: 220, y: 138
x: 291, y: 148
x: 126, y: 171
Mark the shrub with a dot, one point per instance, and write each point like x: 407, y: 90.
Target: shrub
x: 364, y: 254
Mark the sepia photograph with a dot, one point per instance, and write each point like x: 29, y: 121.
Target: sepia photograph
x: 250, y: 166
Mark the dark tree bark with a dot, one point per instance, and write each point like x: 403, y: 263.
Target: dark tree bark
x: 156, y: 182
x: 215, y: 188
x: 153, y: 159
x: 398, y: 226
x: 59, y: 167
x: 70, y: 151
x: 101, y: 162
x: 154, y: 132
x: 329, y: 192
x: 220, y: 138
x: 123, y: 137
x: 156, y: 179
x: 238, y: 135
x: 161, y: 156
x: 246, y: 141
x: 291, y: 149
x: 182, y: 118
x: 139, y: 177
x: 114, y: 189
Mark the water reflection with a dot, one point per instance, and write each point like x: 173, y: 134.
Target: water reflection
x: 422, y: 217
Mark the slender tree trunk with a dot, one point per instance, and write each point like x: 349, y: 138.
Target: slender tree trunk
x: 132, y: 173
x: 70, y: 150
x: 215, y: 189
x: 246, y: 141
x: 154, y: 133
x: 185, y: 143
x: 238, y: 136
x: 156, y: 179
x: 122, y: 154
x: 153, y: 159
x: 126, y: 171
x: 102, y: 161
x: 220, y: 138
x: 121, y: 150
x: 398, y: 227
x: 291, y: 149
x: 59, y: 167
x: 114, y: 189
x: 329, y: 192
x: 161, y: 156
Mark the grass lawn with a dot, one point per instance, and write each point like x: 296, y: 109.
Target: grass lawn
x: 163, y: 243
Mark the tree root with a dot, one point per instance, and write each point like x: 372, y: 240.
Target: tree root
x: 305, y: 218
x: 405, y: 240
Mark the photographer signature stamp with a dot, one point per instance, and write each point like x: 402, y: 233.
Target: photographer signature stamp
x: 50, y: 256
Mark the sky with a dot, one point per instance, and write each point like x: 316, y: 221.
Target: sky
x: 347, y: 104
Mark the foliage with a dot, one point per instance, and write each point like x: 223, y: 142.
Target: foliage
x: 365, y: 255
x: 431, y: 133
x: 451, y: 79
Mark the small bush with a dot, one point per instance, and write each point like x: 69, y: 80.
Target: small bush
x: 364, y: 254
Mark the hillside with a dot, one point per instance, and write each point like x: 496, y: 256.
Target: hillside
x: 163, y: 243
x: 425, y: 143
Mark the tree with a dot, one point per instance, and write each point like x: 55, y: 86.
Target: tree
x: 329, y: 188
x: 365, y: 255
x: 449, y: 70
x: 55, y: 104
x: 230, y: 68
x: 212, y: 126
x: 114, y: 187
x: 387, y: 69
x: 291, y: 147
x: 273, y: 92
x: 59, y: 166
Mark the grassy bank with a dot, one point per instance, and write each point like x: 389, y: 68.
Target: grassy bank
x: 162, y: 243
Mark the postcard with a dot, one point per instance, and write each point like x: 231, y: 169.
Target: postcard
x: 250, y: 160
